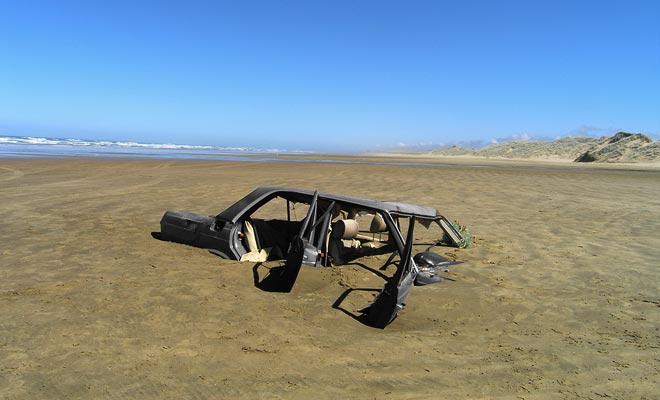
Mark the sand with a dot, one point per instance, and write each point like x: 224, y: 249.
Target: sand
x: 559, y: 297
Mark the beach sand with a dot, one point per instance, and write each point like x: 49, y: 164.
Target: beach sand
x: 559, y: 297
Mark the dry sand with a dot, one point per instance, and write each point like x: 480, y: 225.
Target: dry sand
x: 559, y: 297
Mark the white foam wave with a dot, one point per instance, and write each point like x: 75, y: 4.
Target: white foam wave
x: 30, y: 140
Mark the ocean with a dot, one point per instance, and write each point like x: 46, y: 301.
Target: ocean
x: 38, y: 147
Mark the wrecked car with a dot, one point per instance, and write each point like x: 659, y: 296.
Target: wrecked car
x: 315, y: 229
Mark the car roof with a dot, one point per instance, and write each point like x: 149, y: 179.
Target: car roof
x: 261, y: 195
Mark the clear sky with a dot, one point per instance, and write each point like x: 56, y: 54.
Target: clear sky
x: 335, y: 75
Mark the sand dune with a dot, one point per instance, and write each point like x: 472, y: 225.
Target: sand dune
x: 620, y: 148
x: 558, y: 299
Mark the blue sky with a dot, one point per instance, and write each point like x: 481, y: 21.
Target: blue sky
x: 328, y: 76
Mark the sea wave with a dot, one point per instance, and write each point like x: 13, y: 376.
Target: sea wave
x: 42, y: 141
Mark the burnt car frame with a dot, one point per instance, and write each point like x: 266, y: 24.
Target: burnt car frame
x: 328, y: 234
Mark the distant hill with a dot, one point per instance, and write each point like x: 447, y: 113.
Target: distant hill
x: 453, y: 151
x: 622, y: 147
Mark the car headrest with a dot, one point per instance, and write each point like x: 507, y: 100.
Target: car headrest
x: 377, y: 224
x: 345, y: 229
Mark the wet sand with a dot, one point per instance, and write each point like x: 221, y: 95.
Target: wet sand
x: 559, y: 297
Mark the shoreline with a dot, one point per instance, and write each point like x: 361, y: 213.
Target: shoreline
x: 394, y: 159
